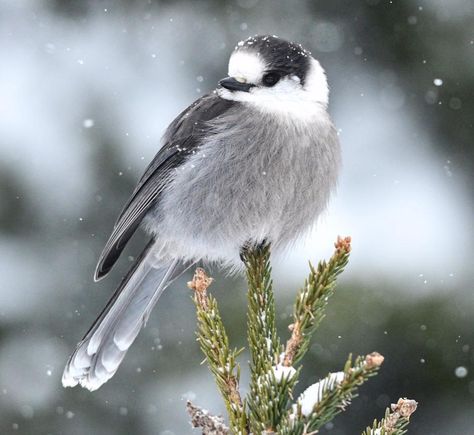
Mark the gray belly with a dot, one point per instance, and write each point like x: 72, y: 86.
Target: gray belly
x: 262, y: 180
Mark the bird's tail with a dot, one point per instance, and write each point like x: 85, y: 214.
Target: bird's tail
x: 99, y: 354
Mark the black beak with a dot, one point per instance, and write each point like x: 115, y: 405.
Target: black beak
x: 234, y: 85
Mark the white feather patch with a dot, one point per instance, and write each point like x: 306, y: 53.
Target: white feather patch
x: 316, y: 83
x: 247, y: 66
x: 288, y: 98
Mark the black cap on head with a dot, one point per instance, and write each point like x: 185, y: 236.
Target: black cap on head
x: 286, y: 57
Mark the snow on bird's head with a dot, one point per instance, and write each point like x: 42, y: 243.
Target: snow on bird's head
x: 276, y: 54
x: 299, y: 77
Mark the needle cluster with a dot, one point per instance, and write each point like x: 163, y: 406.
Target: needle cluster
x: 270, y: 407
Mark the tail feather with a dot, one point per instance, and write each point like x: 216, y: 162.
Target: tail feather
x: 99, y: 354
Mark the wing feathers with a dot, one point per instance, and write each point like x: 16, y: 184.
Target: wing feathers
x: 182, y: 137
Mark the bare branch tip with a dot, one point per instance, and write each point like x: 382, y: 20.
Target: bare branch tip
x: 210, y: 424
x: 201, y: 281
x: 405, y: 407
x: 373, y: 360
x: 343, y: 244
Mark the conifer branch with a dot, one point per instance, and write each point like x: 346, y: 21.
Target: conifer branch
x: 312, y: 300
x: 267, y: 410
x: 263, y: 339
x: 214, y: 344
x: 271, y: 383
x: 322, y: 401
x: 396, y: 419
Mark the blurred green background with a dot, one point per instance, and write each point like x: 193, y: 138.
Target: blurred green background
x: 86, y: 90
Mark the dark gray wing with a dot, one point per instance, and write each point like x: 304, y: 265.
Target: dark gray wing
x: 182, y: 137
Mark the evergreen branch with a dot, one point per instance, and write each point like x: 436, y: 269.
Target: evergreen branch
x: 322, y: 401
x: 214, y: 344
x: 312, y: 300
x: 271, y: 383
x: 268, y: 398
x: 263, y: 339
x: 273, y: 376
x: 394, y: 422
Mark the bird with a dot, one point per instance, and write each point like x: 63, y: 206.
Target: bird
x: 254, y: 161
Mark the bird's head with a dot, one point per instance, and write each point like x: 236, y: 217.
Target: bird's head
x: 275, y: 75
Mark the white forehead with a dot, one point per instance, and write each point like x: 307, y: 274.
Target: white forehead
x: 246, y: 65
x: 250, y: 67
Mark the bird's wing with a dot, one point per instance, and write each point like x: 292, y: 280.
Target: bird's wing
x: 182, y: 137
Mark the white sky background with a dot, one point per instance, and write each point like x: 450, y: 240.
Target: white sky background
x: 408, y: 210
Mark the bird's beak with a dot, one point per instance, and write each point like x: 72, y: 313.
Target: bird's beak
x: 232, y: 84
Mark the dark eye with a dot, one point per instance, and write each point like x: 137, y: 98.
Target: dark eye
x: 270, y: 79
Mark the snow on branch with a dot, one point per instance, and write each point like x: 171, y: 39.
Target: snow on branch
x: 274, y: 367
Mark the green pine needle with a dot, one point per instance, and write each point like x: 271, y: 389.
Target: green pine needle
x: 269, y: 395
x: 312, y: 300
x: 273, y: 375
x: 324, y: 400
x: 214, y: 344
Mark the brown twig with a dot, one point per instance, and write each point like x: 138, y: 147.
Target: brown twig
x: 210, y: 424
x: 293, y: 344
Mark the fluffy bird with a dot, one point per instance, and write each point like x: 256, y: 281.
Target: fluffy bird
x: 252, y: 162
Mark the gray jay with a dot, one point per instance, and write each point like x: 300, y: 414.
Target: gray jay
x: 254, y: 161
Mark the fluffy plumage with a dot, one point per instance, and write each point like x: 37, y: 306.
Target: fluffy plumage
x: 235, y: 167
x: 257, y: 176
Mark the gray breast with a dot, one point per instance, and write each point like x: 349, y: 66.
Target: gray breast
x: 254, y: 177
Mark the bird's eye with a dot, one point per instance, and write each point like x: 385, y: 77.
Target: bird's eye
x: 270, y: 79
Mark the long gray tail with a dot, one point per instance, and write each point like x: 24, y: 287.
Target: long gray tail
x: 99, y: 354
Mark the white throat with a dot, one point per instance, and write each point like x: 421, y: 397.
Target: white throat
x: 288, y: 98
